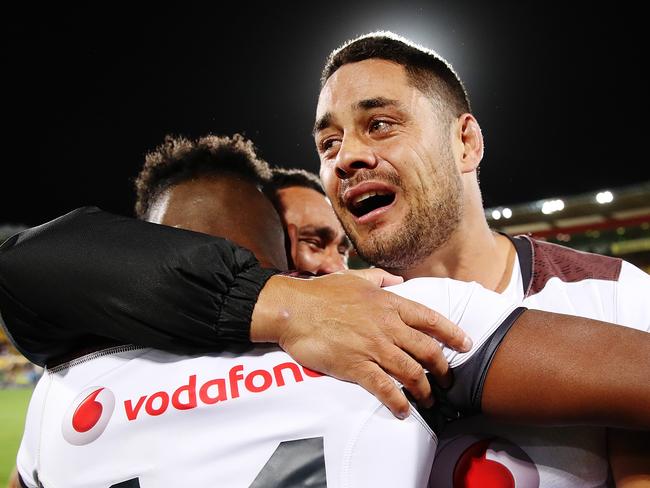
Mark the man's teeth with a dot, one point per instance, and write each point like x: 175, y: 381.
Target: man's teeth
x: 365, y: 196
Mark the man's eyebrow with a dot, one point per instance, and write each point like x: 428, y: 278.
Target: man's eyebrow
x: 369, y: 103
x: 377, y: 102
x: 327, y: 234
x: 322, y: 123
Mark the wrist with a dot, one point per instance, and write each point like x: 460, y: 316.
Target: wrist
x: 272, y: 312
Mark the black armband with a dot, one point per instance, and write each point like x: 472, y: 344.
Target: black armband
x: 463, y: 398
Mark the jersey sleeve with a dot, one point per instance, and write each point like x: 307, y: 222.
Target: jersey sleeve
x: 633, y: 298
x: 478, y: 311
x: 485, y: 316
x: 90, y: 274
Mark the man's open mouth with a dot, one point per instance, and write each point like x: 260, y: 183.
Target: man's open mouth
x: 364, y: 203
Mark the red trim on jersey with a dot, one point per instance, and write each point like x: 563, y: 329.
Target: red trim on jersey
x: 571, y: 266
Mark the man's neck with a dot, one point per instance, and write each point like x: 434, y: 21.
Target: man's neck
x: 473, y: 253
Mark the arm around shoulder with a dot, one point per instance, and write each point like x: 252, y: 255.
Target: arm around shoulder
x: 92, y: 274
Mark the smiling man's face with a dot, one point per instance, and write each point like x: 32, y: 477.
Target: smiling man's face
x: 387, y: 164
x: 318, y: 243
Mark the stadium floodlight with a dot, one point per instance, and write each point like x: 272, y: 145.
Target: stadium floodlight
x: 550, y: 206
x: 496, y: 215
x: 604, y: 197
x: 506, y: 212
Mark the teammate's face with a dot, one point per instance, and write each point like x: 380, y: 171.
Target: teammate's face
x: 318, y: 243
x: 225, y: 206
x: 387, y: 164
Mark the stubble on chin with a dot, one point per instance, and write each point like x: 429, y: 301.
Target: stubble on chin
x: 427, y: 227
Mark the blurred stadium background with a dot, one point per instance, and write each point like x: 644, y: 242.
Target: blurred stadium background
x: 611, y: 221
x: 17, y: 379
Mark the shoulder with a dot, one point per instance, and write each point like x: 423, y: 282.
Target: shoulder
x: 569, y: 265
x: 632, y: 297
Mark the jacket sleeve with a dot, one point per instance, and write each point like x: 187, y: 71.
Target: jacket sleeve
x: 92, y: 275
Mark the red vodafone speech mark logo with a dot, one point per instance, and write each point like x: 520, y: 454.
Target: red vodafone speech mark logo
x: 88, y: 415
x: 483, y: 462
x: 477, y: 468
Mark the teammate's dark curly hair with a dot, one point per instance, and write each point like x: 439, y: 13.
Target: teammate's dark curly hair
x: 180, y: 159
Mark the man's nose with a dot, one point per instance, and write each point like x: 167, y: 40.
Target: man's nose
x: 354, y: 154
x: 332, y: 262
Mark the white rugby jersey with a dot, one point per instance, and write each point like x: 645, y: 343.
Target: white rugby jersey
x: 478, y: 453
x: 132, y: 417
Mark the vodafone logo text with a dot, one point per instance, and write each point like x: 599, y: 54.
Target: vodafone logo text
x: 189, y: 395
x: 88, y: 415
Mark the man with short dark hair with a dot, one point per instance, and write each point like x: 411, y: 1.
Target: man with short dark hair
x: 316, y: 242
x: 399, y: 151
x: 430, y: 201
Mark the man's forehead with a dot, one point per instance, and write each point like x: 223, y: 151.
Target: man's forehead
x: 305, y: 207
x: 367, y: 79
x: 301, y: 202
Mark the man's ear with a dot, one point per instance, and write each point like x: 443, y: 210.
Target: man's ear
x: 469, y: 141
x: 292, y: 245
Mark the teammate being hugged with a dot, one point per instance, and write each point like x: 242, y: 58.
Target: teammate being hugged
x: 135, y: 417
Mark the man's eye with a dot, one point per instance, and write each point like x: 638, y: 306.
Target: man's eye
x: 313, y: 243
x: 328, y: 144
x: 379, y: 125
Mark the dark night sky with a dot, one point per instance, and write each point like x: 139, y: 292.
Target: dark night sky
x: 557, y: 90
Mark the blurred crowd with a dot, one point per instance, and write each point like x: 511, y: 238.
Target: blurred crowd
x: 15, y: 370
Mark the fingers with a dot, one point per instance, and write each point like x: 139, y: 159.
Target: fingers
x: 432, y: 323
x: 411, y: 374
x: 377, y: 276
x: 427, y: 352
x: 381, y: 385
x: 348, y: 328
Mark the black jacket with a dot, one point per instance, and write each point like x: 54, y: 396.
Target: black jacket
x: 118, y: 279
